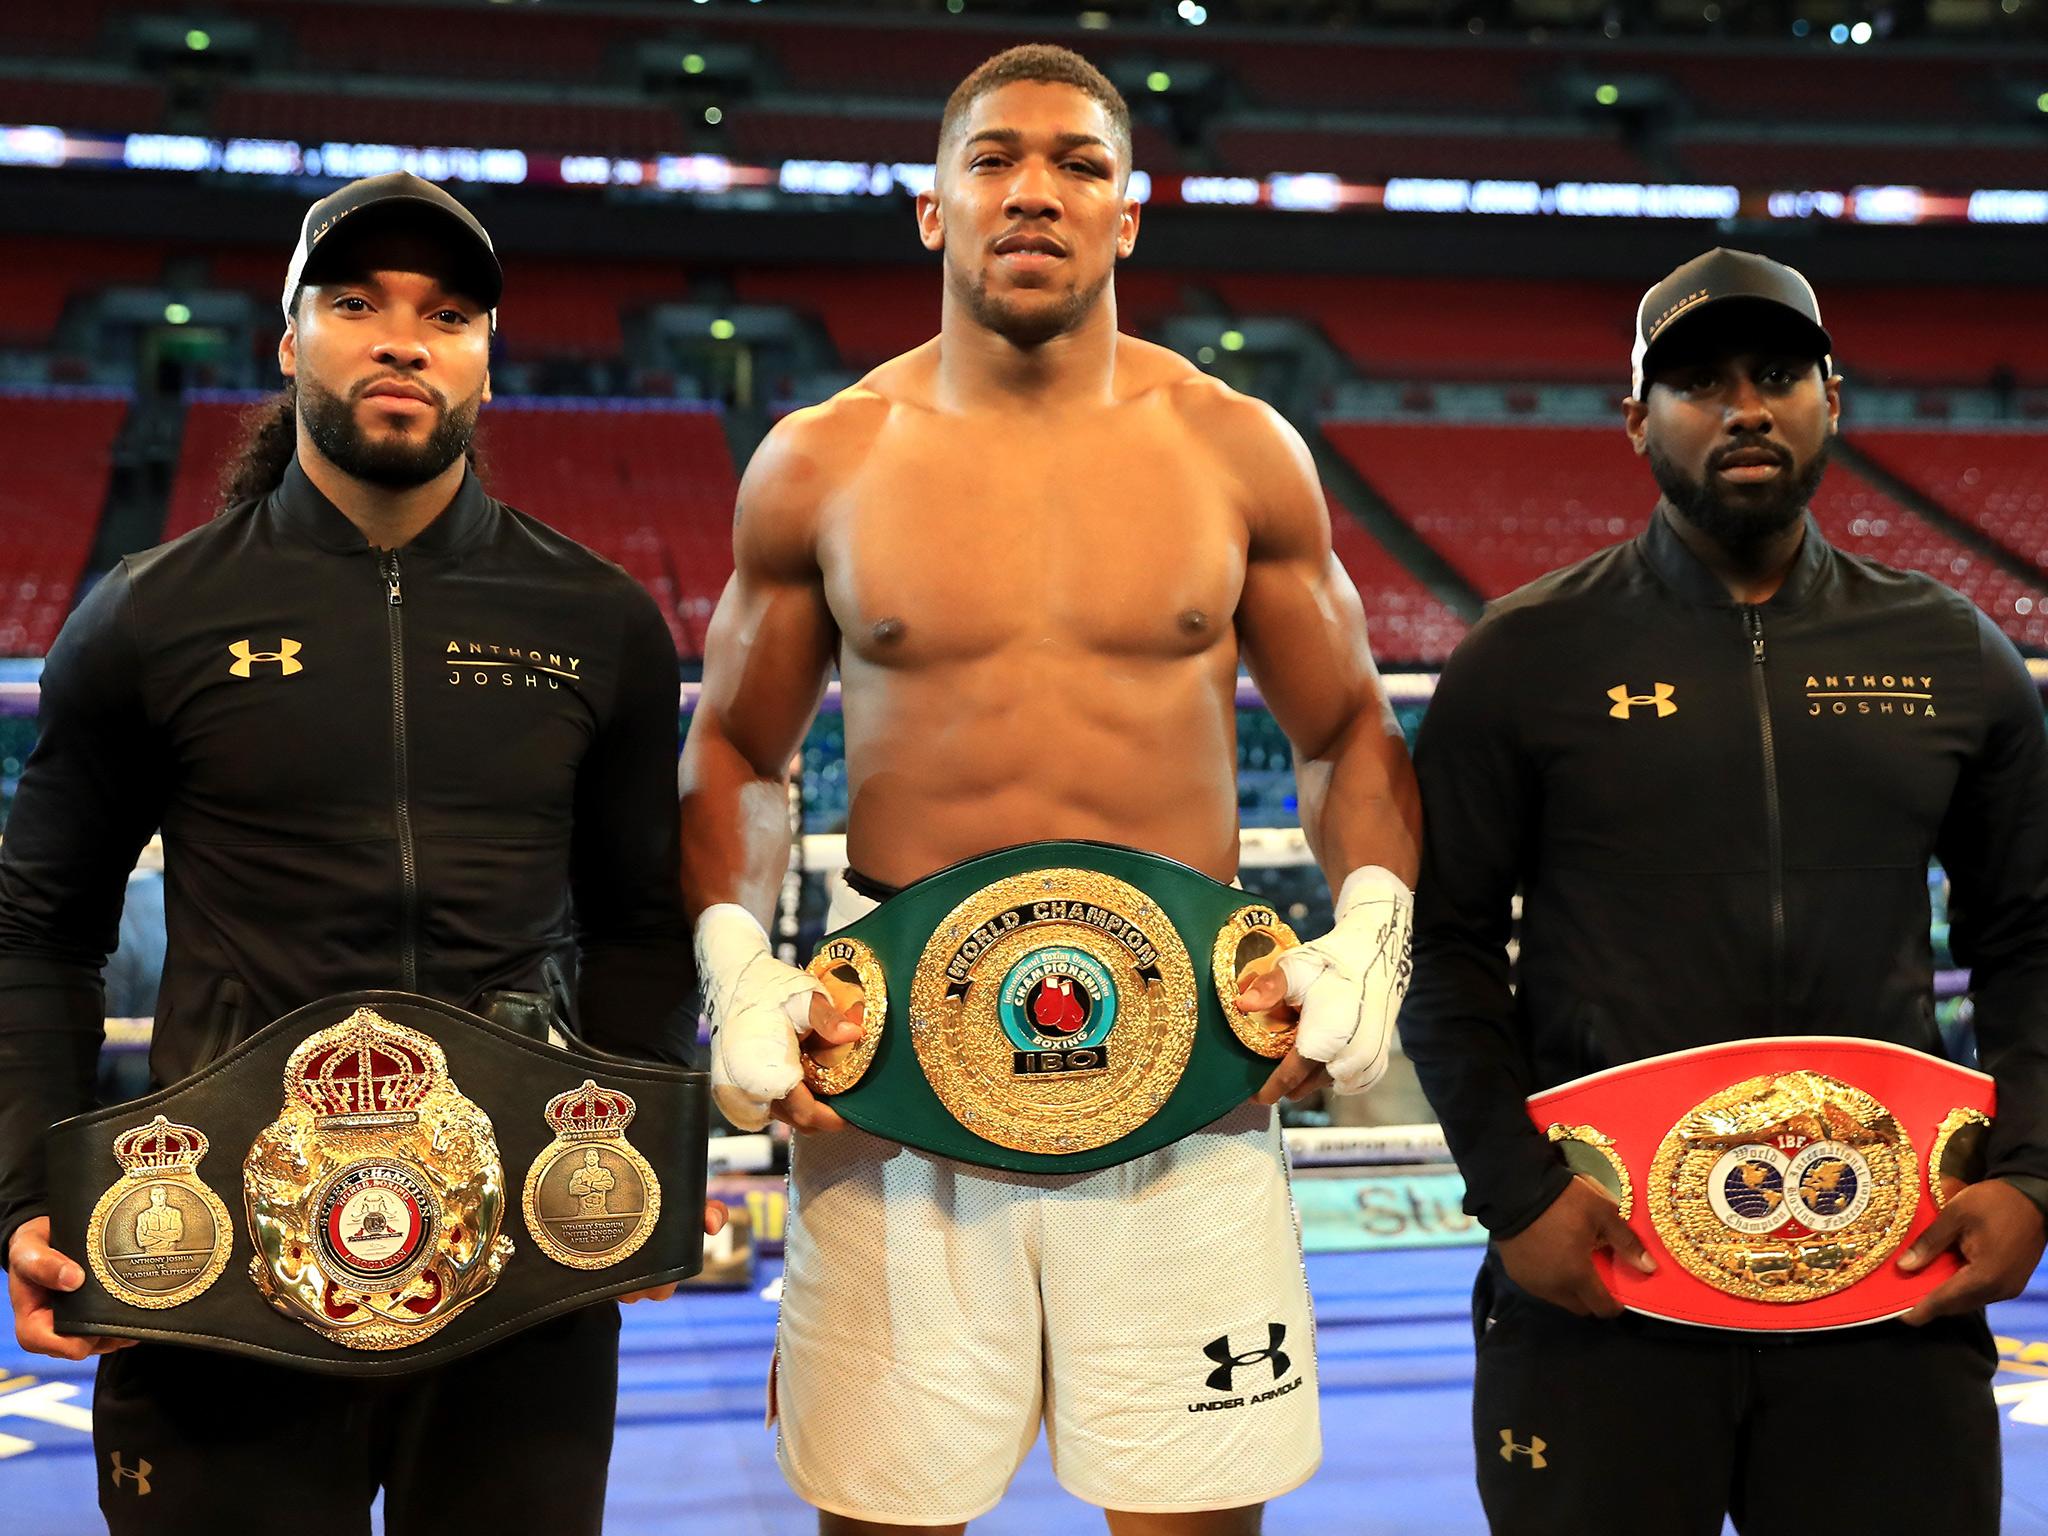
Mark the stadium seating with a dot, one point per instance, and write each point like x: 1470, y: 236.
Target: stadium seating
x: 213, y: 425
x: 1450, y: 329
x: 58, y: 448
x: 40, y: 274
x: 565, y: 123
x: 1406, y: 622
x: 1840, y: 163
x: 1937, y: 335
x: 1373, y: 157
x: 1995, y: 481
x: 1506, y: 504
x: 650, y: 486
x: 92, y: 106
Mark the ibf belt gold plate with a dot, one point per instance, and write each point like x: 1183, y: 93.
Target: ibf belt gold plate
x: 376, y: 1196
x: 159, y: 1237
x: 1784, y: 1187
x: 590, y: 1199
x: 1054, y: 1011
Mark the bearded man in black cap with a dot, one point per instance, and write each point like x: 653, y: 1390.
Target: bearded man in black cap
x: 344, y: 807
x: 1700, y: 760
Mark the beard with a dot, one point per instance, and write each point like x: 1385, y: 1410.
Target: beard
x: 393, y: 462
x: 1741, y: 525
x: 1021, y: 325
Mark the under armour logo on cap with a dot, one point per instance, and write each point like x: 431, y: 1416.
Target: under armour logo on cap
x: 1534, y: 1450
x: 285, y: 657
x: 1226, y: 1363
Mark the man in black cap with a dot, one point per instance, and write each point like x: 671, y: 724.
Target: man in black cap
x: 1646, y: 746
x: 395, y: 734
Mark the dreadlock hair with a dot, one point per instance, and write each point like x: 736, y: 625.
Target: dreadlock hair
x: 1040, y: 64
x: 269, y: 439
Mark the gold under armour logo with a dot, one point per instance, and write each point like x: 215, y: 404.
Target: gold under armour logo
x: 140, y: 1472
x: 1533, y: 1450
x: 284, y: 656
x: 1660, y: 695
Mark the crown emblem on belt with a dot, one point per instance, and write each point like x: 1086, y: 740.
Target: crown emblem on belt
x: 366, y: 1070
x: 159, y: 1147
x: 589, y: 1113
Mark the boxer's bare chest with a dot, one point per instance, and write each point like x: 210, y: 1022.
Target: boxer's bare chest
x: 1112, y: 533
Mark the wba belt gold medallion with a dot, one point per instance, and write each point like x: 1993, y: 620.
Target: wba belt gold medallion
x: 590, y: 1199
x: 1778, y: 1178
x: 1039, y: 1008
x: 376, y: 1196
x: 159, y: 1237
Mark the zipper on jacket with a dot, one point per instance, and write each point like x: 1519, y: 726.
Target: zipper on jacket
x: 401, y: 781
x: 1773, y: 828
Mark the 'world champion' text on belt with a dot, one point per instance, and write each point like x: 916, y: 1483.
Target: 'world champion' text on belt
x: 1144, y: 953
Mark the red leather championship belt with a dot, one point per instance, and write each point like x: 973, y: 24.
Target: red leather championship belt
x: 1775, y: 1181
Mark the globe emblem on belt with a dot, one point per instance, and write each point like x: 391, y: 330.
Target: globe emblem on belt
x: 1753, y: 1189
x: 1057, y: 998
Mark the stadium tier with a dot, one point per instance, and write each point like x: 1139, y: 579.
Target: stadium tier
x: 648, y: 485
x: 1995, y: 481
x: 1505, y: 504
x: 1407, y: 622
x: 58, y: 448
x: 40, y: 274
x: 529, y: 120
x: 1841, y: 162
x: 1425, y: 327
x: 1248, y: 148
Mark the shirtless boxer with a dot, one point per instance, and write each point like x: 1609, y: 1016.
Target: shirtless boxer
x: 1037, y: 550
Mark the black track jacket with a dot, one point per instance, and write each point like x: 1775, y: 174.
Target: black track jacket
x: 449, y: 769
x: 1719, y: 817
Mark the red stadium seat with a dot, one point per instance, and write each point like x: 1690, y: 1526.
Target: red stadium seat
x: 1404, y: 619
x: 1995, y: 481
x: 568, y: 123
x: 59, y: 451
x: 1462, y: 328
x: 40, y: 274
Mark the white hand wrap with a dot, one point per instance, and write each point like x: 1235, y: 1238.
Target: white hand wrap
x: 760, y: 1008
x: 1348, y: 984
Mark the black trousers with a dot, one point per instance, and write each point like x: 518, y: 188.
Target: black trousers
x: 514, y: 1438
x: 1585, y: 1426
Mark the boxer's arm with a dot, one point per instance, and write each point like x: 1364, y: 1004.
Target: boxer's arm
x: 91, y: 795
x: 767, y: 658
x: 633, y: 988
x: 1994, y: 847
x: 1302, y: 629
x: 1459, y: 1022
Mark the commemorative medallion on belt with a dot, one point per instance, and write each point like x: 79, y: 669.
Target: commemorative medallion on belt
x: 590, y: 1197
x: 159, y: 1237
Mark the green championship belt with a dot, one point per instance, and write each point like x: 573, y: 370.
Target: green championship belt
x: 1050, y: 1008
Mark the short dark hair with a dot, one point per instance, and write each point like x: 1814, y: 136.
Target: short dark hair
x: 1040, y: 64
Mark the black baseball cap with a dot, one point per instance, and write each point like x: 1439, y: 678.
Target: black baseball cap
x: 373, y: 202
x: 1724, y: 283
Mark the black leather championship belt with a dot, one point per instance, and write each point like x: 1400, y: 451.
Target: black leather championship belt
x: 413, y: 1182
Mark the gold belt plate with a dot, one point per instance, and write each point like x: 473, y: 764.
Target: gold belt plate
x: 376, y: 1196
x: 590, y: 1198
x: 1054, y: 1011
x: 159, y: 1237
x: 1785, y: 1187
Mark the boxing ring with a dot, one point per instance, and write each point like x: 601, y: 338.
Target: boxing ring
x: 1390, y: 1265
